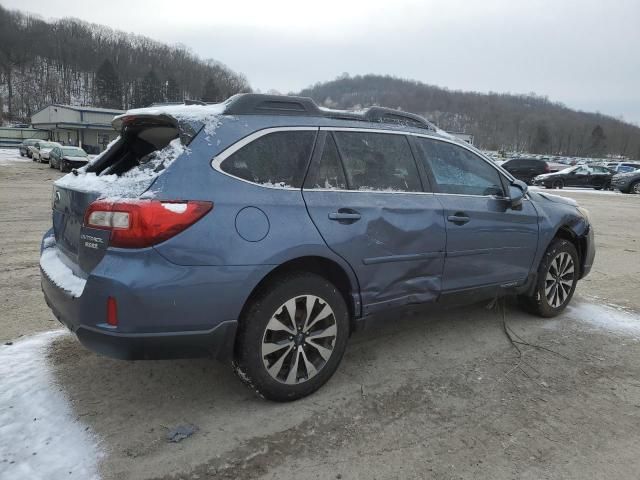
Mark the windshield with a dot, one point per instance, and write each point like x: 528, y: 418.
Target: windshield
x: 568, y: 170
x: 48, y: 145
x: 76, y: 152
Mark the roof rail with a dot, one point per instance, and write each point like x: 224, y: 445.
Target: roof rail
x: 261, y: 104
x: 388, y: 115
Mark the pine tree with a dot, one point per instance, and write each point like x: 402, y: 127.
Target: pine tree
x: 108, y: 86
x: 598, y: 144
x: 150, y: 89
x: 541, y: 142
x: 211, y: 92
x: 172, y: 90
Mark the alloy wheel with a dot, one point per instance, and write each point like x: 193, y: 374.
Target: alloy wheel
x: 299, y: 339
x: 636, y: 188
x: 559, y: 280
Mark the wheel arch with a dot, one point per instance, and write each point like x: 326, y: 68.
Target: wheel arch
x: 319, y: 265
x: 565, y: 232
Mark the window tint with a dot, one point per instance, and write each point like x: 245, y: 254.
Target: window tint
x: 378, y: 161
x: 328, y: 173
x: 457, y: 170
x: 275, y: 159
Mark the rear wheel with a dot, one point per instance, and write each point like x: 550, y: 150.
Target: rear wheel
x: 292, y: 337
x: 635, y: 187
x: 557, y: 279
x: 558, y: 184
x: 61, y: 167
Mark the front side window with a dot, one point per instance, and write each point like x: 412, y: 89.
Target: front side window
x: 457, y: 170
x: 378, y: 161
x: 276, y: 159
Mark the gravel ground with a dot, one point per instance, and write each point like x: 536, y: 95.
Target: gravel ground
x: 441, y: 394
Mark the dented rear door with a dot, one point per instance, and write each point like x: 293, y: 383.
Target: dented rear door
x: 393, y: 240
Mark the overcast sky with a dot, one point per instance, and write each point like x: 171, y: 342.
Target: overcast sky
x: 584, y: 53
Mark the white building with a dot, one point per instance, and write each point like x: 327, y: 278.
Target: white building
x: 86, y: 127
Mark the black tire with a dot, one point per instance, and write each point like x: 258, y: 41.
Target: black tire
x: 539, y: 303
x: 559, y: 184
x: 21, y: 154
x: 254, y: 334
x: 61, y: 167
x: 635, y: 187
x: 51, y: 164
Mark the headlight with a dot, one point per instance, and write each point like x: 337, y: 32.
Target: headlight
x: 585, y: 213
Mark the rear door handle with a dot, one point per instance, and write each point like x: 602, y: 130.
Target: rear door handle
x: 458, y: 218
x: 345, y: 215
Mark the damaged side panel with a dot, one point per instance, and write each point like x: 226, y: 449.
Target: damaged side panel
x: 394, y: 242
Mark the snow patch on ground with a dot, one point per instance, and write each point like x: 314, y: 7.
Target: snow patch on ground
x: 39, y: 437
x: 130, y: 184
x: 59, y: 273
x: 612, y: 319
x: 11, y: 155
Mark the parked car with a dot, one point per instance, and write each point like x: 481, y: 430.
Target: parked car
x: 526, y: 169
x: 576, y: 176
x: 270, y: 245
x: 33, y: 149
x: 24, y: 147
x: 628, y: 182
x: 66, y: 158
x: 625, y: 167
x: 41, y: 150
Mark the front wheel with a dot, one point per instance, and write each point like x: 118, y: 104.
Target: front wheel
x: 559, y: 184
x: 635, y: 187
x: 291, y: 337
x: 557, y: 279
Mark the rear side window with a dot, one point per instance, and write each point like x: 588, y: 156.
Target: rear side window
x: 457, y: 170
x: 276, y: 159
x: 328, y: 173
x: 378, y: 161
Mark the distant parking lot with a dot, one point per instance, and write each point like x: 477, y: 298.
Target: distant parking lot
x: 436, y: 395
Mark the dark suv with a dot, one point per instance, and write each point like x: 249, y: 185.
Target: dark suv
x: 526, y: 169
x: 264, y: 230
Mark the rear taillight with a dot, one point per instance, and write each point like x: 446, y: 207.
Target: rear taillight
x: 547, y: 168
x: 142, y: 223
x: 112, y: 312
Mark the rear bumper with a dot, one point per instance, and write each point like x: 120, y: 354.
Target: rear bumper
x: 164, y: 310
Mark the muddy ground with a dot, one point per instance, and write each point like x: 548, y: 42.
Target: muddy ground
x: 442, y: 394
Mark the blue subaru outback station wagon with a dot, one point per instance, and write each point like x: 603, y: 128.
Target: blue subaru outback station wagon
x: 265, y: 229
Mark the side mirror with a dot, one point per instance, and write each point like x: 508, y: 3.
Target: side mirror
x: 517, y: 190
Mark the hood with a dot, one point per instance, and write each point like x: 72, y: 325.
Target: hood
x: 46, y: 150
x: 542, y: 196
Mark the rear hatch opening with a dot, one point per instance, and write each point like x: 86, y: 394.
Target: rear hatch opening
x: 147, y: 145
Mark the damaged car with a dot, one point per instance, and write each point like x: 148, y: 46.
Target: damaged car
x: 264, y: 230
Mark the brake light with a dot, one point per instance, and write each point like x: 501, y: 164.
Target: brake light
x: 547, y: 168
x: 143, y: 223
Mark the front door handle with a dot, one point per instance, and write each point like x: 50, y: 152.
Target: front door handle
x: 459, y: 218
x: 345, y: 215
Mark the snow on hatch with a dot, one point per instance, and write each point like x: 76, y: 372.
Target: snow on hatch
x: 131, y: 183
x: 39, y: 437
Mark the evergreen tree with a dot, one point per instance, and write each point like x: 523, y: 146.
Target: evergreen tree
x: 150, y: 89
x: 172, y: 90
x: 598, y: 144
x: 211, y: 91
x: 541, y: 142
x: 108, y: 86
